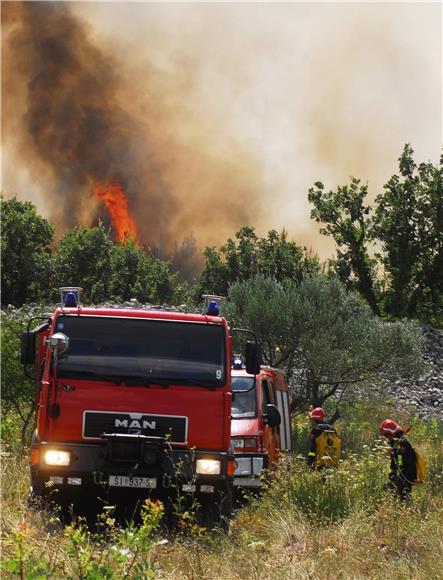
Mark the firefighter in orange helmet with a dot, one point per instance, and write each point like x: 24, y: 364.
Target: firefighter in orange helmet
x: 403, y: 463
x: 319, y: 426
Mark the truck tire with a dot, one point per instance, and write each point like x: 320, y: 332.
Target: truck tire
x: 215, y: 509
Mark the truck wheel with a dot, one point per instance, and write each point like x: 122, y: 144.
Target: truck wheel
x: 215, y: 509
x: 36, y: 497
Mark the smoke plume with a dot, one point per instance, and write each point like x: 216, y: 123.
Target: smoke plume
x: 73, y: 132
x: 212, y: 115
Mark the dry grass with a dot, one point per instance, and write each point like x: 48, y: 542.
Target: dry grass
x: 305, y: 526
x: 275, y: 537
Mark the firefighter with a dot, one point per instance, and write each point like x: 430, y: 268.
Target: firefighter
x: 324, y: 443
x: 403, y: 464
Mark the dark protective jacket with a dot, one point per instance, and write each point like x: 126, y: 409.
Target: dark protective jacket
x: 317, y: 430
x: 403, y: 464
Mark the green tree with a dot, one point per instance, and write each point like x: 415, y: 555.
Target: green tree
x: 26, y: 240
x: 326, y: 338
x: 407, y: 228
x: 409, y: 224
x: 83, y: 258
x: 136, y: 274
x: 248, y: 255
x: 347, y: 220
x: 18, y: 391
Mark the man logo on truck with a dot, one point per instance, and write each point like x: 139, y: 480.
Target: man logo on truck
x: 134, y: 424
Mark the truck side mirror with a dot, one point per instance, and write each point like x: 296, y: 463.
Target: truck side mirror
x: 253, y: 357
x: 272, y: 416
x: 27, y: 354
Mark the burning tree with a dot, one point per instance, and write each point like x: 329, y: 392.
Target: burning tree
x: 116, y: 202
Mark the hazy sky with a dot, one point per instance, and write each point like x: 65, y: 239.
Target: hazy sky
x: 275, y: 95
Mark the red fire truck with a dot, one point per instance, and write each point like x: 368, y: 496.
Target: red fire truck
x: 261, y: 426
x: 132, y: 399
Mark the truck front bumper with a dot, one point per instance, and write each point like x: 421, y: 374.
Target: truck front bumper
x: 249, y: 469
x: 159, y: 468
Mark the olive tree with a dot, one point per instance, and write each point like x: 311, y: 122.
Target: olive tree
x: 326, y: 338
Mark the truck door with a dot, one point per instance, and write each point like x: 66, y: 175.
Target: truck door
x: 271, y: 441
x: 285, y: 425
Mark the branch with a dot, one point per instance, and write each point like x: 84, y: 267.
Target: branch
x: 345, y: 382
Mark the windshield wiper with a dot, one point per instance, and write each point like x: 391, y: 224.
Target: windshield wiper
x: 167, y: 382
x: 195, y: 383
x: 139, y: 380
x: 144, y: 381
x: 72, y: 374
x: 116, y: 379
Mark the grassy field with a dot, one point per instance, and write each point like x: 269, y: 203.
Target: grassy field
x: 305, y: 525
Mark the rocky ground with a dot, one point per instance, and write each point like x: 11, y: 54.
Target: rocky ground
x: 426, y: 392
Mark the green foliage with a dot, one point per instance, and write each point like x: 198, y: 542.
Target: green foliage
x: 359, y: 483
x: 83, y: 259
x: 261, y: 304
x: 332, y: 494
x: 347, y: 221
x: 248, y: 255
x: 110, y: 552
x: 24, y: 562
x: 87, y: 257
x: 326, y: 338
x: 18, y: 391
x: 26, y: 240
x: 407, y: 226
x: 135, y: 274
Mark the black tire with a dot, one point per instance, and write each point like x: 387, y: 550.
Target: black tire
x: 215, y: 509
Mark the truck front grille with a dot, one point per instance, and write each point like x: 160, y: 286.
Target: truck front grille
x: 174, y: 429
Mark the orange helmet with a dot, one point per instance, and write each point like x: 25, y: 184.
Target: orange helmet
x: 318, y: 414
x: 389, y: 427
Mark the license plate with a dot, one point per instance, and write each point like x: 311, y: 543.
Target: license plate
x: 135, y: 482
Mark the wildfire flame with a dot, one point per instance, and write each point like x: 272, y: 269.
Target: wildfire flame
x: 116, y: 202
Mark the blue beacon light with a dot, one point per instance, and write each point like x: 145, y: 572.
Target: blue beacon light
x: 213, y: 308
x: 238, y: 362
x: 70, y: 299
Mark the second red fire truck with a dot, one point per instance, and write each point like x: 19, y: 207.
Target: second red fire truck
x: 260, y: 427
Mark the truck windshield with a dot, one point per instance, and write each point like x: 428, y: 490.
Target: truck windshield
x: 244, y: 399
x: 143, y: 350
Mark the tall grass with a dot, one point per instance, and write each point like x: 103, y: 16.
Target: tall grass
x: 335, y: 524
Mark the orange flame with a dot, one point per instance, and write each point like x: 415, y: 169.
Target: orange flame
x: 116, y: 203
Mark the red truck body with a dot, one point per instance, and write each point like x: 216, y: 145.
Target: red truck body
x: 258, y: 441
x: 141, y: 399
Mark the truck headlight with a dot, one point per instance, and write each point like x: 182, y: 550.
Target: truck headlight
x: 208, y: 466
x: 58, y: 458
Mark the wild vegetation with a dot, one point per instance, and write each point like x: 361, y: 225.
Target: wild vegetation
x: 342, y: 524
x: 326, y: 338
x: 338, y: 330
x: 390, y: 252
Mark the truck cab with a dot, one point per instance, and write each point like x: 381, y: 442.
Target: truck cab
x: 260, y: 422
x: 132, y: 399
